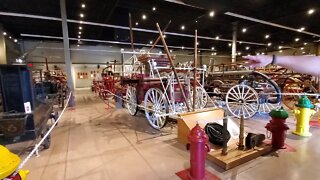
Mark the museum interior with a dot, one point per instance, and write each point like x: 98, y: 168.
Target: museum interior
x: 159, y: 89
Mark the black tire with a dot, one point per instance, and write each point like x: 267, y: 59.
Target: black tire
x: 215, y: 133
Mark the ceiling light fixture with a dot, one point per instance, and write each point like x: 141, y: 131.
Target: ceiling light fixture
x: 154, y: 8
x: 305, y: 44
x: 4, y: 33
x: 144, y: 16
x: 15, y: 40
x: 137, y: 23
x: 196, y: 21
x: 183, y: 27
x: 83, y: 5
x: 150, y: 42
x: 269, y: 44
x: 244, y: 30
x: 10, y: 37
x: 267, y: 36
x: 310, y: 11
x: 262, y: 53
x: 81, y: 15
x: 301, y: 29
x: 211, y: 13
x: 164, y: 36
x: 280, y: 47
x: 212, y: 48
x: 247, y: 48
x: 302, y: 48
x: 79, y: 32
x: 217, y: 37
x: 198, y: 43
x: 78, y: 45
x: 78, y: 40
x: 182, y: 47
x: 80, y: 27
x: 280, y: 51
x: 79, y: 36
x: 81, y: 22
x: 229, y: 44
x: 296, y: 39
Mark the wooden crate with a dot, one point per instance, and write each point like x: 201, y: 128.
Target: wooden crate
x: 188, y: 120
x: 237, y: 157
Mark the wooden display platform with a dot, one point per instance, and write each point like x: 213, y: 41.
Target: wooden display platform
x: 188, y: 120
x: 237, y: 157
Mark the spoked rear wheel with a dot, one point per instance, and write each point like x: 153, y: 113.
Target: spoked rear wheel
x: 201, y: 98
x: 242, y: 100
x: 131, y: 100
x: 156, y: 106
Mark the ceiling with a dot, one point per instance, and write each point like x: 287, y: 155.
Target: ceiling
x: 188, y: 13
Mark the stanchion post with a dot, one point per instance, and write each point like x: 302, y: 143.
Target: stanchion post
x: 224, y: 134
x: 241, y: 134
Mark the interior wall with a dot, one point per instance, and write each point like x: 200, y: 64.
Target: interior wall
x: 86, y: 58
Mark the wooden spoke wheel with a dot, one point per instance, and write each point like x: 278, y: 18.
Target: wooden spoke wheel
x: 201, y: 98
x: 242, y: 100
x: 131, y: 100
x: 156, y: 106
x: 269, y: 92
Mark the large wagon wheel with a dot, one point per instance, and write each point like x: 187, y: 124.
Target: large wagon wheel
x: 156, y: 106
x: 268, y: 101
x: 131, y: 100
x: 242, y: 100
x: 269, y: 92
x: 201, y: 98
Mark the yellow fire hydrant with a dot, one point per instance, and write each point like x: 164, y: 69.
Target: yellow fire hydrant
x: 9, y: 163
x: 317, y: 109
x: 303, y: 115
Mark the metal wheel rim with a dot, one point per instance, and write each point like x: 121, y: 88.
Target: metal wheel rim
x: 131, y: 100
x: 248, y: 106
x: 265, y: 105
x: 155, y: 104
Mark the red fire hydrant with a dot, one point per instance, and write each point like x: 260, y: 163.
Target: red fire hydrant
x: 198, y: 150
x: 278, y: 127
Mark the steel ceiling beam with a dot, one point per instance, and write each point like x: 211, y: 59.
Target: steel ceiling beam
x: 269, y: 23
x: 109, y: 42
x: 122, y: 27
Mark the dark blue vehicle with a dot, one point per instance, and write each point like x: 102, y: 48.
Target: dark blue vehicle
x: 25, y: 107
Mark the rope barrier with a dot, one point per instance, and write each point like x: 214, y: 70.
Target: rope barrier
x: 43, y: 138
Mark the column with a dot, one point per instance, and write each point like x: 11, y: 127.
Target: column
x: 67, y: 58
x: 234, y: 42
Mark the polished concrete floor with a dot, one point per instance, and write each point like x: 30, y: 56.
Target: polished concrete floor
x: 92, y: 142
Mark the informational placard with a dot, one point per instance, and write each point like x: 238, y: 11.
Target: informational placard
x: 27, y: 107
